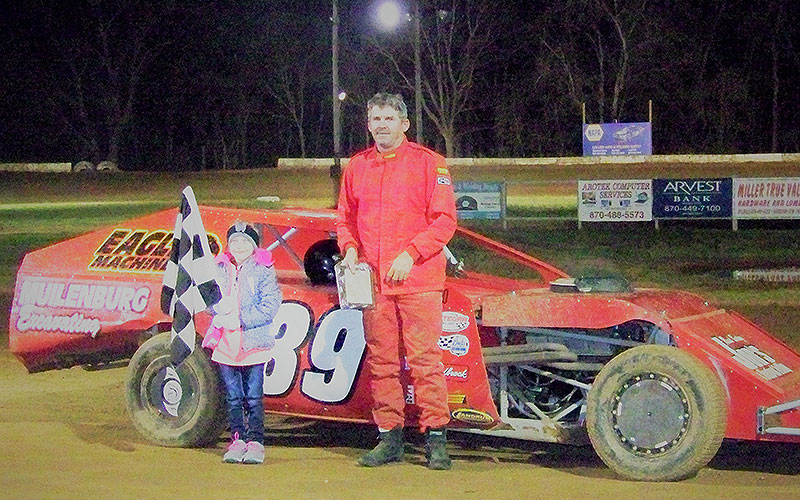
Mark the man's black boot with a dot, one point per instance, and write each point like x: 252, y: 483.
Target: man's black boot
x: 390, y: 449
x: 435, y: 450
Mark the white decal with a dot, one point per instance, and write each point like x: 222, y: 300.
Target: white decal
x: 289, y: 327
x: 172, y: 392
x: 83, y: 296
x: 410, y: 400
x: 457, y: 344
x: 443, y: 180
x: 453, y: 322
x: 336, y: 351
x: 753, y: 358
x: 76, y: 323
x: 459, y: 372
x: 308, y: 213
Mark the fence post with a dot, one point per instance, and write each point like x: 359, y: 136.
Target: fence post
x: 503, y: 204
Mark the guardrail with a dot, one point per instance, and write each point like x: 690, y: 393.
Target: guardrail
x: 324, y: 163
x: 36, y: 167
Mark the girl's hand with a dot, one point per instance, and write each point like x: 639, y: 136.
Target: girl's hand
x: 225, y: 305
x: 228, y: 321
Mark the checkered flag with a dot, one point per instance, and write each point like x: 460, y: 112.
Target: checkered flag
x: 190, y: 285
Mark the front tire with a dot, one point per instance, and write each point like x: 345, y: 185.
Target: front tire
x: 171, y: 406
x: 655, y: 413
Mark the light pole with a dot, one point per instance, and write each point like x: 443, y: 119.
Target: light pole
x: 336, y: 168
x: 417, y: 75
x: 389, y: 16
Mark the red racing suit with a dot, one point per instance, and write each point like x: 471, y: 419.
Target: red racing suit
x: 389, y: 203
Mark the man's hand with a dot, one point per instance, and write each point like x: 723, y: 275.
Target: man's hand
x: 401, y: 267
x: 350, y: 260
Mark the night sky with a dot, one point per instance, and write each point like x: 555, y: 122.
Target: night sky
x: 187, y: 84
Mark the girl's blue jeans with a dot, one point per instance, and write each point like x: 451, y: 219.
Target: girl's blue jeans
x: 244, y: 390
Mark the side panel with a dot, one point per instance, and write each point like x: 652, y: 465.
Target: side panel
x: 59, y: 321
x: 464, y: 367
x: 318, y: 367
x: 545, y: 309
x: 89, y: 298
x: 755, y: 369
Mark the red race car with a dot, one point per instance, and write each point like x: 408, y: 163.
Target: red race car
x: 655, y: 379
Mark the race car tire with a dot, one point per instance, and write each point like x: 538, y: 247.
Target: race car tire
x: 179, y: 406
x: 656, y: 413
x: 83, y: 166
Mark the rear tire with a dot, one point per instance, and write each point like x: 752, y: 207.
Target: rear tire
x: 655, y: 413
x: 170, y: 406
x: 83, y: 166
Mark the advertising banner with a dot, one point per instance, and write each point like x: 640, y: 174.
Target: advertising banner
x: 786, y: 275
x: 479, y: 200
x: 766, y: 198
x: 691, y: 198
x: 617, y: 139
x: 616, y: 200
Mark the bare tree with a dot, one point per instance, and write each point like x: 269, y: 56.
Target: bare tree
x: 594, y: 43
x: 291, y: 76
x: 288, y: 85
x: 456, y: 43
x: 104, y: 71
x: 780, y: 48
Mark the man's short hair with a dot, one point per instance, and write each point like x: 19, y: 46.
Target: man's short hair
x: 394, y: 101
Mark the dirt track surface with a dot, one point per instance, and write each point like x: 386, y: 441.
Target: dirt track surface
x: 65, y: 435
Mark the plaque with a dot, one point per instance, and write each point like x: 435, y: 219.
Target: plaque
x: 355, y: 288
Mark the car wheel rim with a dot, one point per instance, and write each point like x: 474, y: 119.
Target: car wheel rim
x: 651, y: 414
x: 169, y: 393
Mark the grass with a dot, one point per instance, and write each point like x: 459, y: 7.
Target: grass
x: 40, y: 209
x: 301, y: 187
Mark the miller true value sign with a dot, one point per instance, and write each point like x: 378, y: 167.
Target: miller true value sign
x: 766, y: 198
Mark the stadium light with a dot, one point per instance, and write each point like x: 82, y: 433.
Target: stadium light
x: 389, y: 16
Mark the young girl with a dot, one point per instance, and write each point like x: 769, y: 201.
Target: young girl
x: 241, y: 338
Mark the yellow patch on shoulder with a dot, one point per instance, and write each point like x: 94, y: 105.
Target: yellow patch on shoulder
x: 443, y: 170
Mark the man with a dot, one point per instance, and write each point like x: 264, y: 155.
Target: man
x: 396, y: 213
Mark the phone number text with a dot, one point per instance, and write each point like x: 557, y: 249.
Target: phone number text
x: 617, y: 215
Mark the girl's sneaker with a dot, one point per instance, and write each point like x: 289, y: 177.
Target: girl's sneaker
x: 236, y: 451
x: 254, y: 454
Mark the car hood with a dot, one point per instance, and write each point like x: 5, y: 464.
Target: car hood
x: 508, y: 303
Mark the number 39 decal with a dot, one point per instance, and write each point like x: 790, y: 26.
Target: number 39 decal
x: 334, y: 355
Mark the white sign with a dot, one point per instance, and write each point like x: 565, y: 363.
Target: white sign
x: 766, y: 198
x: 618, y: 200
x: 479, y: 200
